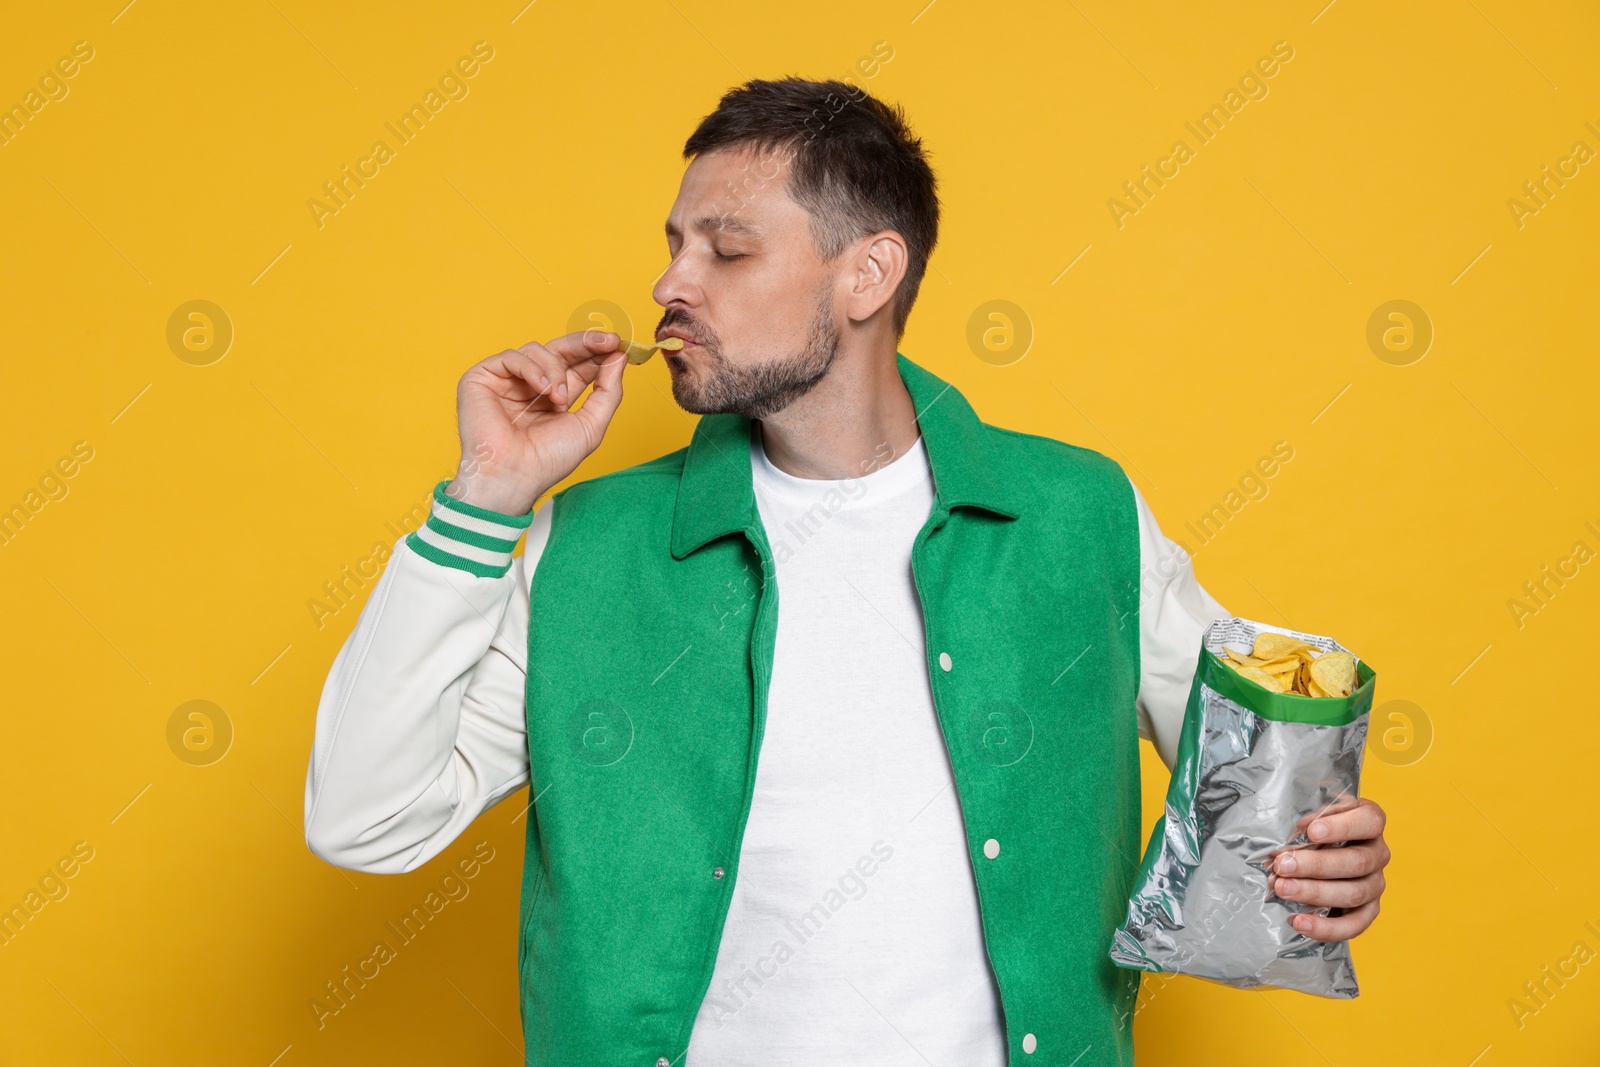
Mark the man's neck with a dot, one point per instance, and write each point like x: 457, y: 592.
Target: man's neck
x: 857, y: 419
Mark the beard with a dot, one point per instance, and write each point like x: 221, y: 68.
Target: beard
x: 766, y: 388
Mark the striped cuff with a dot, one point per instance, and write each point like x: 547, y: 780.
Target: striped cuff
x: 468, y: 538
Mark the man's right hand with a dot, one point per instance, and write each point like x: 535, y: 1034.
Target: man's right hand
x: 518, y: 437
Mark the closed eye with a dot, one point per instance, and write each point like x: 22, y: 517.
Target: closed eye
x: 723, y: 257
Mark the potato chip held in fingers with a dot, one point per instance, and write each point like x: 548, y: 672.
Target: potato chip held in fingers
x: 639, y: 352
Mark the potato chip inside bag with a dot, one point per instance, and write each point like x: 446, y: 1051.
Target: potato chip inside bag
x: 1258, y: 760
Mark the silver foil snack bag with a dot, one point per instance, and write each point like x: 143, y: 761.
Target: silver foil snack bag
x: 1254, y: 768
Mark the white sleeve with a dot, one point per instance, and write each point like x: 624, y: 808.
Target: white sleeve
x: 421, y: 727
x: 1174, y: 610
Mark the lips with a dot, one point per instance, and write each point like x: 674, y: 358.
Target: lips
x: 673, y: 331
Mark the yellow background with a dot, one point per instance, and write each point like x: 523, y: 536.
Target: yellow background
x: 1229, y: 313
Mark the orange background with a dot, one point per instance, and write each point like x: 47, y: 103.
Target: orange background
x: 1228, y: 313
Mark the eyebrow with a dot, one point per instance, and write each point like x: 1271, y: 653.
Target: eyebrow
x: 726, y: 223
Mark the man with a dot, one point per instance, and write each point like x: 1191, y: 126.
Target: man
x: 831, y: 718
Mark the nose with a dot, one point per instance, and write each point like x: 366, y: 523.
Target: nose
x: 675, y: 285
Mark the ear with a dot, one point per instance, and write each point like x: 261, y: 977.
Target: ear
x: 876, y: 269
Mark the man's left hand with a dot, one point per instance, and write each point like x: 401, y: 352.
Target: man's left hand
x: 1348, y: 879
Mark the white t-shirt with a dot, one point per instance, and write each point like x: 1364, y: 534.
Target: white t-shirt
x: 820, y: 962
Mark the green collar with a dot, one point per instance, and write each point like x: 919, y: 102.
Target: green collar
x: 716, y: 497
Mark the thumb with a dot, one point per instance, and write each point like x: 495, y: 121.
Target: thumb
x: 603, y: 398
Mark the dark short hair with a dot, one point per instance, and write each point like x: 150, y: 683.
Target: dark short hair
x: 856, y: 168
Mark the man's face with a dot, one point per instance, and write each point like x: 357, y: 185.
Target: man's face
x: 746, y: 289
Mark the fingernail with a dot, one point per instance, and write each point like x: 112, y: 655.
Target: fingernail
x: 1286, y: 887
x: 1301, y: 923
x: 1319, y: 830
x: 544, y: 380
x: 1287, y: 863
x: 561, y: 390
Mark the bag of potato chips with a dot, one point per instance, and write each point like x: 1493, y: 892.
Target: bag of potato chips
x: 1272, y: 737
